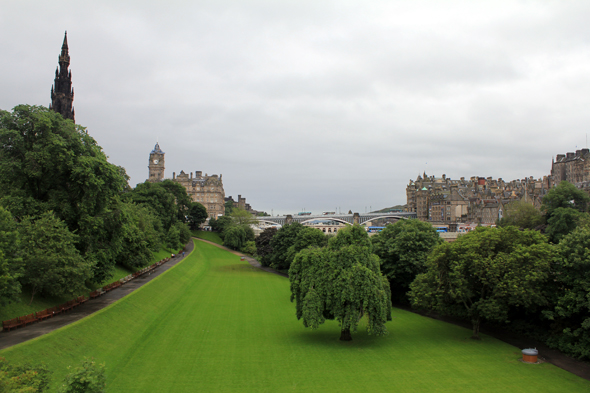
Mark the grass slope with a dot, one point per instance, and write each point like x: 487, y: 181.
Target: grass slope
x: 207, y: 235
x: 214, y: 324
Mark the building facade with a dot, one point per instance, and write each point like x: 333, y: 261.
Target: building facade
x: 479, y: 199
x: 62, y: 92
x: 205, y: 189
x: 572, y: 167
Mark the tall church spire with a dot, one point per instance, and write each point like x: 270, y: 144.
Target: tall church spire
x: 62, y: 93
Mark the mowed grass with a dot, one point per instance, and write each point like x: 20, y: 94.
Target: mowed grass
x: 207, y: 235
x: 215, y: 324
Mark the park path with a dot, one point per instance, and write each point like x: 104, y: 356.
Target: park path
x: 17, y: 336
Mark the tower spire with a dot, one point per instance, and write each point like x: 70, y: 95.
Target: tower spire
x: 62, y: 93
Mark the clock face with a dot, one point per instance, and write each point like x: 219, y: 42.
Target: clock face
x: 156, y: 162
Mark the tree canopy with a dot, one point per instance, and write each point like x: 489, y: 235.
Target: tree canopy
x: 484, y: 273
x: 343, y: 282
x: 281, y: 242
x: 521, y: 215
x: 565, y: 195
x: 403, y: 248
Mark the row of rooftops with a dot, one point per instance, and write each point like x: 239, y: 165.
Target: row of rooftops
x: 581, y: 154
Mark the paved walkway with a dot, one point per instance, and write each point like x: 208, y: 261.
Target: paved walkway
x: 17, y: 336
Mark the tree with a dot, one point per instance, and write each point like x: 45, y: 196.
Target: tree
x: 306, y: 237
x: 563, y: 220
x: 229, y: 207
x: 158, y: 199
x: 89, y: 377
x: 236, y: 236
x: 52, y: 264
x: 140, y: 236
x: 521, y: 215
x: 52, y: 164
x: 23, y: 378
x: 197, y: 214
x: 280, y: 243
x: 242, y: 217
x: 571, y: 311
x: 263, y: 247
x: 221, y: 224
x: 564, y: 195
x: 403, y: 248
x: 10, y: 262
x: 341, y: 281
x: 484, y: 273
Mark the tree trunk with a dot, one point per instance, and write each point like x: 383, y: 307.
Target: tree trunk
x: 475, y: 323
x: 345, y: 335
x: 32, y: 295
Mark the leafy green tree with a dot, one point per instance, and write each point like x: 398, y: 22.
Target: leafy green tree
x: 484, y: 273
x: 242, y: 217
x: 221, y: 224
x: 571, y: 311
x: 403, y: 248
x: 229, y: 207
x: 565, y: 195
x: 23, y: 378
x: 140, y: 236
x: 52, y: 164
x: 52, y: 264
x: 182, y: 200
x: 159, y: 199
x: 306, y: 237
x: 197, y: 214
x: 341, y: 281
x: 281, y: 242
x: 249, y: 248
x: 10, y: 262
x: 89, y: 377
x: 563, y: 220
x: 521, y: 215
x: 235, y: 237
x: 263, y: 247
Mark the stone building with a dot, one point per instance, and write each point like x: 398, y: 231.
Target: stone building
x: 205, y: 189
x: 240, y: 203
x: 481, y: 200
x: 572, y: 167
x: 62, y: 92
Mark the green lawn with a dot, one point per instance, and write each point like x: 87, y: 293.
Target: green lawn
x: 215, y: 324
x: 207, y: 235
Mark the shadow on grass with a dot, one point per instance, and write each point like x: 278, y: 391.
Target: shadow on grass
x: 237, y: 268
x: 330, y: 338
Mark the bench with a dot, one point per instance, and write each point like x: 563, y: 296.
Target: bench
x: 95, y: 294
x: 28, y: 319
x: 11, y: 323
x: 42, y: 315
x: 82, y: 299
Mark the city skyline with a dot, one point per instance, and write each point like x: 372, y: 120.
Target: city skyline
x: 309, y: 104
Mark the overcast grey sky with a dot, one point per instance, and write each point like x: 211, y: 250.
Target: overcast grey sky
x: 313, y: 104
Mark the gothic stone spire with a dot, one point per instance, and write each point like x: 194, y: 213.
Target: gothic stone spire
x: 62, y: 93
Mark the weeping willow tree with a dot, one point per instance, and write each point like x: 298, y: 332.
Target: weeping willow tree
x: 342, y: 281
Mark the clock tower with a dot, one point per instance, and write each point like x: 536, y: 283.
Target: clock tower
x: 156, y: 164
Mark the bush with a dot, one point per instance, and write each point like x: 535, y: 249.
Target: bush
x: 87, y: 378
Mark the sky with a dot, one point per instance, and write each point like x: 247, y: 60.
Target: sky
x: 313, y: 105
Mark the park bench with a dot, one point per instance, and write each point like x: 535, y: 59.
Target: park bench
x: 81, y: 299
x: 65, y: 307
x: 28, y: 319
x: 42, y: 315
x: 11, y: 323
x: 95, y: 294
x: 54, y: 310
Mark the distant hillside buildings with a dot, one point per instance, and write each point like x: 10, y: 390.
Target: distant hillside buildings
x: 478, y: 199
